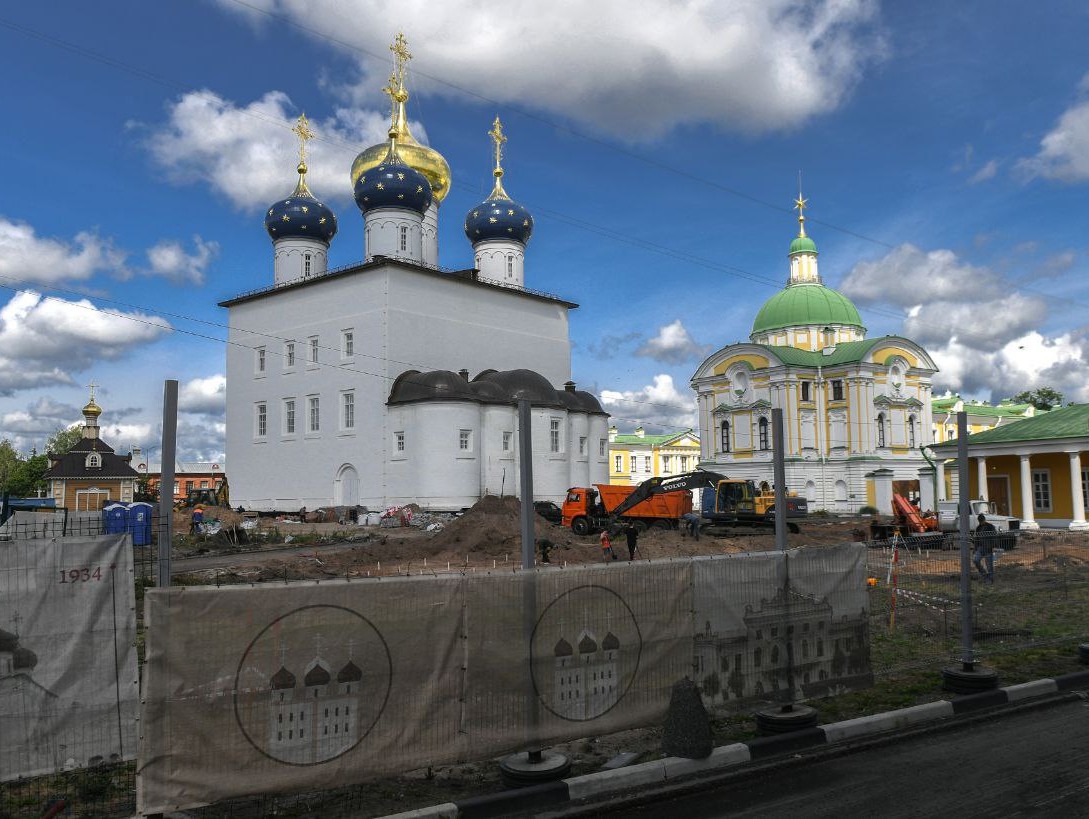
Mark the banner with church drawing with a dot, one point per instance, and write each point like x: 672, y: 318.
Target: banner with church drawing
x: 68, y: 680
x: 771, y: 623
x: 306, y: 686
x: 297, y: 687
x: 608, y: 642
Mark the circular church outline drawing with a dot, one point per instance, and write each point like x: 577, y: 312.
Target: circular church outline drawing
x: 606, y: 701
x: 348, y: 675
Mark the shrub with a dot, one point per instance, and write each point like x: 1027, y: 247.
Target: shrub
x: 867, y: 510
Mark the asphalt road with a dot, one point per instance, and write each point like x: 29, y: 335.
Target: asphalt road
x: 1025, y: 763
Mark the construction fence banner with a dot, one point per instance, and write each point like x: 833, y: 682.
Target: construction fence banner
x: 280, y: 688
x: 69, y: 688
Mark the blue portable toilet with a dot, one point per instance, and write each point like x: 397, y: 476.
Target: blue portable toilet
x: 115, y: 518
x: 139, y: 523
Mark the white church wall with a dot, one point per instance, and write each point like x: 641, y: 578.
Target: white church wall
x: 499, y: 475
x: 447, y: 324
x: 400, y: 319
x: 599, y: 462
x: 501, y: 261
x: 451, y: 430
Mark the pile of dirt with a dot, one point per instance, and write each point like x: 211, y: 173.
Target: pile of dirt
x: 493, y: 527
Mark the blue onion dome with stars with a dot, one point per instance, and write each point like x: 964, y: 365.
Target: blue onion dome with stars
x: 393, y: 184
x: 498, y: 216
x: 301, y: 215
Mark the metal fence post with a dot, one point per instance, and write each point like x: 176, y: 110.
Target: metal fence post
x: 166, y: 481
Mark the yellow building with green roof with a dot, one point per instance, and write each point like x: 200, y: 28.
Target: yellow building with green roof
x: 852, y: 405
x: 1037, y: 468
x: 634, y: 458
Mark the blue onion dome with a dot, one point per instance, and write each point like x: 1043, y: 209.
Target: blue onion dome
x: 393, y: 184
x: 301, y: 215
x: 498, y: 219
x: 498, y: 216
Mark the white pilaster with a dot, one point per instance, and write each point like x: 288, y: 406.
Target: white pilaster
x: 981, y: 477
x: 431, y: 234
x: 1078, y: 522
x: 940, y: 466
x: 1028, y: 519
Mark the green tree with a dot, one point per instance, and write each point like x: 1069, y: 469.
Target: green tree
x: 9, y: 462
x: 1043, y: 398
x: 63, y: 440
x: 26, y: 480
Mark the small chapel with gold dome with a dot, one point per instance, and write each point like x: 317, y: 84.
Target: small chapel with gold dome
x: 856, y: 409
x: 395, y: 380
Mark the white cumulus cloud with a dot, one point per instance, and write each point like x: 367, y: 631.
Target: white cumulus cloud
x: 673, y: 345
x: 1064, y: 150
x: 982, y: 332
x: 248, y: 153
x: 169, y: 260
x: 634, y: 68
x: 204, y: 395
x: 27, y: 257
x: 659, y: 404
x: 45, y: 339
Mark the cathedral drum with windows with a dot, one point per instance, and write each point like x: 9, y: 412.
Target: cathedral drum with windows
x: 851, y: 404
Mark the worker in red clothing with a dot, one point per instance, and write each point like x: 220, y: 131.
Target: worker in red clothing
x: 606, y: 546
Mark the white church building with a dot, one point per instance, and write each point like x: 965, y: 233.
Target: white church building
x: 393, y: 380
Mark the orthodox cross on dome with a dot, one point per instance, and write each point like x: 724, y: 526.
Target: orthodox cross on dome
x: 496, y: 133
x: 92, y: 385
x: 401, y: 56
x: 305, y: 134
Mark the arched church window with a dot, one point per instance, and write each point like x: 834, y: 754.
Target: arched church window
x: 763, y: 429
x: 306, y: 264
x: 510, y: 264
x: 94, y: 461
x: 725, y: 436
x: 911, y: 431
x: 404, y: 238
x: 880, y: 429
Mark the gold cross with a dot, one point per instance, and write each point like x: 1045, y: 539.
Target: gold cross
x: 496, y: 133
x: 92, y: 385
x: 302, y: 130
x: 401, y: 56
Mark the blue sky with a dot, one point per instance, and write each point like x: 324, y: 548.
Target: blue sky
x: 944, y: 150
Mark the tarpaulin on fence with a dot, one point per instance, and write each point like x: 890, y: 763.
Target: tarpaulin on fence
x: 68, y: 680
x: 308, y: 686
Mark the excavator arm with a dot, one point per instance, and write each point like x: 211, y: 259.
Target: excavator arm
x: 657, y: 485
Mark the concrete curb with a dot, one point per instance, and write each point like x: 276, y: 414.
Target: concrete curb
x: 657, y: 771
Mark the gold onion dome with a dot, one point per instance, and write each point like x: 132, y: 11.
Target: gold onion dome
x: 426, y: 160
x: 92, y: 408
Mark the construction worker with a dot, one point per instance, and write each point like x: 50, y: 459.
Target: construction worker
x: 196, y: 521
x: 606, y: 546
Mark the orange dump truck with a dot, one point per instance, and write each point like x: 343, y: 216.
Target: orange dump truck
x: 590, y: 508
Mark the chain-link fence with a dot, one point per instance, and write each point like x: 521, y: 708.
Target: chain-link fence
x: 1038, y: 596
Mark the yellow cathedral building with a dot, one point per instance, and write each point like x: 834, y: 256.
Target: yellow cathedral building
x: 856, y: 410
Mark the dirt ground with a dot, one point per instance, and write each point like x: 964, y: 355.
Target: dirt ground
x: 487, y: 535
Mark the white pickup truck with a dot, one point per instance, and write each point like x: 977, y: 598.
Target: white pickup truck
x: 1009, y: 528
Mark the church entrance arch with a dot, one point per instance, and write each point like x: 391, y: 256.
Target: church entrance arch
x: 346, y: 486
